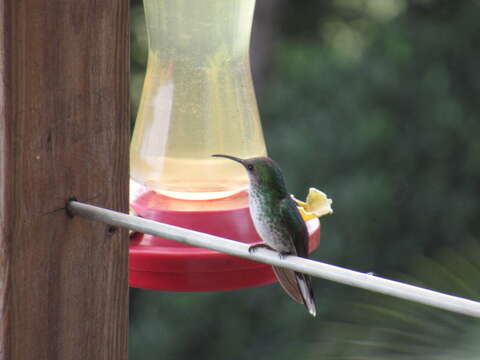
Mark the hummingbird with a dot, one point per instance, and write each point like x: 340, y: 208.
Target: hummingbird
x: 279, y: 224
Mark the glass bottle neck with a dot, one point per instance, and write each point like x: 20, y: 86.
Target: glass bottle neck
x: 204, y: 29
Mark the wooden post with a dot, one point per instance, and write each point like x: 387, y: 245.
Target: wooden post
x: 64, y: 131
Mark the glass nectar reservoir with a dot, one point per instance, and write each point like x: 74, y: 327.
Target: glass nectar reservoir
x: 198, y: 99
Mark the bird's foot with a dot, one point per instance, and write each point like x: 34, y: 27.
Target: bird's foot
x: 257, y: 246
x: 284, y: 254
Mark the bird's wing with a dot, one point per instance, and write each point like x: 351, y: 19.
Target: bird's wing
x: 299, y: 236
x: 293, y: 220
x: 297, y: 285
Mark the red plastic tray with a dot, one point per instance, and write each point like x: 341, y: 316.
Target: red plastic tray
x: 161, y: 264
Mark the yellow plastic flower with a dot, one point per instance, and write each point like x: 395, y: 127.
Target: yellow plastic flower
x: 317, y: 205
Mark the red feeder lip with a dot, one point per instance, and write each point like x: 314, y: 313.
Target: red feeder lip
x: 160, y: 264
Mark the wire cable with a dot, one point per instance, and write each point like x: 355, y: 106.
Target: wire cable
x: 306, y: 266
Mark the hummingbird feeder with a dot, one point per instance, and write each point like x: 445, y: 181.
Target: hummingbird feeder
x: 198, y: 99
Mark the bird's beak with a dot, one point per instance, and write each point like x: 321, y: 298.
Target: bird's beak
x: 230, y: 157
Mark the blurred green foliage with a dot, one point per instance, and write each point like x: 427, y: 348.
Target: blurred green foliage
x: 375, y: 102
x: 385, y: 328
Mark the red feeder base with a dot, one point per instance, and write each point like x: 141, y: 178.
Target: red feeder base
x: 161, y: 264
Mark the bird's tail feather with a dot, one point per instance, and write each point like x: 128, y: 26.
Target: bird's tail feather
x: 298, y: 286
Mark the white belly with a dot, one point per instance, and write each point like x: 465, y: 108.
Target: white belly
x: 270, y: 230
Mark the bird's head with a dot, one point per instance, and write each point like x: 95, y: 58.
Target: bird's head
x: 263, y: 172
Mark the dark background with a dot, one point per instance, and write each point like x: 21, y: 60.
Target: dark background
x: 374, y: 102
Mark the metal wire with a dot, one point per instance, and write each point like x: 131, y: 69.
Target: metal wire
x: 310, y: 267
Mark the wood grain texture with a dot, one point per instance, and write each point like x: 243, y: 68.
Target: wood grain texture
x: 64, y: 131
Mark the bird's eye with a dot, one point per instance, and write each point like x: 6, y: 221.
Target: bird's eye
x: 250, y: 167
